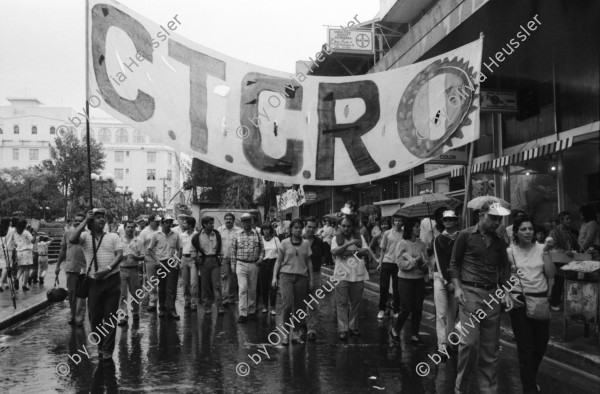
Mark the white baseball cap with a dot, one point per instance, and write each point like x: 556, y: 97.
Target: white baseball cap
x: 449, y: 214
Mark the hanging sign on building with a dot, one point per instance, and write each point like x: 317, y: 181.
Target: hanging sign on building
x: 350, y: 41
x: 270, y: 125
x: 498, y: 101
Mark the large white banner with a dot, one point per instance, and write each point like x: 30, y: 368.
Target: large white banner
x: 271, y: 125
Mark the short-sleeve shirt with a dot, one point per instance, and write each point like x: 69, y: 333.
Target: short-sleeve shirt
x: 164, y: 245
x: 294, y: 257
x: 227, y: 237
x: 531, y: 264
x: 389, y: 240
x: 130, y: 247
x: 74, y: 259
x: 348, y: 268
x: 105, y: 251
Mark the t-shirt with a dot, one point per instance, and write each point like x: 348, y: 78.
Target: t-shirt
x: 531, y: 264
x: 349, y: 268
x: 294, y: 257
x: 271, y: 247
x: 105, y: 251
x: 389, y: 240
x: 144, y: 242
x: 74, y: 257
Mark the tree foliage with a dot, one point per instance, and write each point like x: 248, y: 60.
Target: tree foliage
x: 30, y: 190
x: 69, y: 166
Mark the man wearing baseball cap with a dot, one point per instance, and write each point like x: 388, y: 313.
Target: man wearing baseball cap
x: 165, y: 245
x: 478, y: 266
x: 247, y: 253
x: 150, y: 263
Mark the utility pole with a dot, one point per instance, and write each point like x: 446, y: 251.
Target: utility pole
x: 164, y: 193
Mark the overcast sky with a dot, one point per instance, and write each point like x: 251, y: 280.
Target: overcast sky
x: 42, y: 42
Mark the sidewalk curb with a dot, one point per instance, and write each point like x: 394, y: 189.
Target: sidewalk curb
x: 25, y: 313
x: 554, y: 351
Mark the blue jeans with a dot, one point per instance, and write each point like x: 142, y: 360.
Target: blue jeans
x: 294, y: 290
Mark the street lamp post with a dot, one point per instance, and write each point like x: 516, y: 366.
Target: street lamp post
x: 102, y: 179
x: 124, y: 192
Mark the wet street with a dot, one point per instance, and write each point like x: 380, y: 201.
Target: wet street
x: 200, y: 354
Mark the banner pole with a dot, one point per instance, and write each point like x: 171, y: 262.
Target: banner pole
x: 467, y: 185
x: 87, y: 118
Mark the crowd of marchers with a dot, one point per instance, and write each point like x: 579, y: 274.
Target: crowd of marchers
x: 138, y: 264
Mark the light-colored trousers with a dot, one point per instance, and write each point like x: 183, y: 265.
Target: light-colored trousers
x: 347, y: 298
x: 446, y: 309
x: 189, y: 277
x: 247, y: 276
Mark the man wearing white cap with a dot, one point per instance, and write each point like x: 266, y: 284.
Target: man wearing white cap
x: 478, y: 266
x: 150, y: 263
x: 446, y: 308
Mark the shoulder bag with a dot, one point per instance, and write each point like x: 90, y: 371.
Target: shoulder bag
x: 82, y: 288
x: 537, y: 306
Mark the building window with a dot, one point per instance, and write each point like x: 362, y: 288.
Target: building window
x: 15, y: 154
x: 154, y: 140
x: 170, y: 159
x: 16, y: 129
x: 104, y: 135
x: 122, y: 136
x: 119, y: 173
x: 169, y: 173
x: 151, y: 157
x: 127, y: 153
x: 119, y: 156
x: 151, y: 190
x: 34, y: 154
x: 421, y: 187
x: 151, y: 175
x: 52, y: 130
x: 138, y: 137
x: 127, y: 171
x: 33, y: 129
x: 168, y: 192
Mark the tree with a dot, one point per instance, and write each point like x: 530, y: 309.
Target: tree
x: 138, y: 207
x: 239, y: 192
x: 68, y: 165
x: 29, y: 190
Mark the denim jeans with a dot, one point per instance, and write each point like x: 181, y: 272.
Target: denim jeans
x: 211, y: 282
x: 294, y: 290
x: 78, y: 305
x: 412, y: 295
x: 167, y: 289
x: 130, y: 283
x: 446, y: 309
x: 189, y: 276
x: 103, y: 303
x: 388, y: 271
x: 532, y: 340
x: 478, y: 344
x: 266, y: 292
x: 247, y: 276
x: 313, y: 313
x: 347, y: 299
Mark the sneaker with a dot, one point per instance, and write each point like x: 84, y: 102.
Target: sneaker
x: 273, y: 312
x: 25, y: 288
x: 242, y: 319
x: 380, y: 315
x: 394, y: 338
x: 555, y: 308
x: 264, y: 310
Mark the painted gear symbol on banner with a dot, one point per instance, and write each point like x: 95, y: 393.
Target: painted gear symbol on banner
x: 424, y: 131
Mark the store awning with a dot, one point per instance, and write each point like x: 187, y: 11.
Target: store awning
x: 518, y: 157
x: 389, y: 207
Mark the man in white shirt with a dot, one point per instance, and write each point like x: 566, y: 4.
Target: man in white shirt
x: 150, y: 263
x: 228, y: 279
x: 189, y: 274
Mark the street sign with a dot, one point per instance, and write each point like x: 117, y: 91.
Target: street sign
x: 350, y: 41
x: 498, y: 101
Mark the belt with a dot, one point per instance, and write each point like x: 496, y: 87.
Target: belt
x: 479, y: 285
x: 187, y: 255
x: 247, y: 261
x: 42, y: 255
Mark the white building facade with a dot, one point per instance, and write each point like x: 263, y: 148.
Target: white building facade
x: 137, y: 161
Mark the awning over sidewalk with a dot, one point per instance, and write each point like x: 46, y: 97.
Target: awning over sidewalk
x: 517, y: 157
x: 389, y: 207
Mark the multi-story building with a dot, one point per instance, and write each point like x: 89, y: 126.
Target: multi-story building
x: 541, y: 153
x: 137, y: 161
